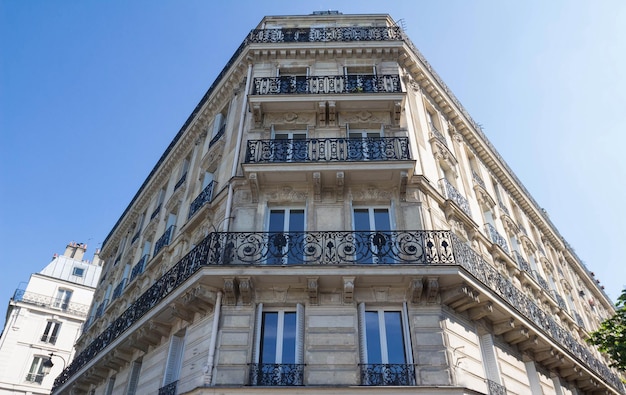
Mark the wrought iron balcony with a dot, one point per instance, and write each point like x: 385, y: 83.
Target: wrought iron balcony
x: 497, y: 238
x: 437, y: 134
x: 169, y: 389
x: 410, y: 247
x: 156, y: 212
x: 138, y: 268
x: 276, y: 374
x: 495, y: 388
x: 101, y: 307
x: 559, y: 300
x: 504, y: 209
x: 327, y: 84
x: 180, y: 181
x: 383, y: 374
x: 328, y: 150
x: 522, y: 229
x: 579, y: 319
x: 117, y: 292
x: 135, y: 237
x: 204, y: 197
x: 21, y: 295
x: 164, y: 240
x: 453, y: 194
x: 522, y: 264
x: 542, y: 282
x: 478, y: 180
x: 324, y: 34
x: 218, y: 135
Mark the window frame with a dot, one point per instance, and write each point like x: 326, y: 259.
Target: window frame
x: 51, y: 332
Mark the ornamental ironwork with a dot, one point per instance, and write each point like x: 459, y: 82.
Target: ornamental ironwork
x: 382, y: 374
x: 180, y: 181
x: 164, y: 240
x: 169, y: 389
x: 328, y: 150
x: 497, y: 238
x: 542, y: 282
x: 276, y: 374
x: 478, y: 180
x: 453, y: 194
x: 504, y: 209
x: 437, y: 134
x: 117, y: 292
x: 218, y: 135
x: 203, y: 197
x: 23, y: 296
x: 156, y: 212
x: 324, y: 34
x: 495, y: 388
x: 327, y: 84
x: 522, y: 264
x: 138, y: 268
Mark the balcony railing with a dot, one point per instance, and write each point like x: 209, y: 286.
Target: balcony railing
x: 327, y: 84
x: 169, y: 389
x: 497, y: 238
x: 138, y: 268
x: 328, y: 150
x: 135, y: 237
x: 559, y: 300
x: 101, y: 307
x: 180, y: 181
x: 542, y: 282
x: 387, y: 374
x: 478, y: 180
x: 453, y: 194
x: 410, y: 247
x: 204, y: 197
x: 156, y: 212
x: 324, y: 34
x: 437, y: 134
x: 579, y: 319
x: 495, y: 388
x: 218, y: 135
x: 522, y: 264
x: 276, y: 374
x: 164, y: 240
x: 117, y: 292
x: 504, y: 209
x: 21, y: 295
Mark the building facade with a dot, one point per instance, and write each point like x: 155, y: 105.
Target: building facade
x: 330, y: 219
x: 46, y: 317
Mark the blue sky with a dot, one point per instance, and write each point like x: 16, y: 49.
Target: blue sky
x: 92, y: 92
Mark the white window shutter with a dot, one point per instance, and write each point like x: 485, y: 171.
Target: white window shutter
x: 406, y: 331
x: 533, y: 378
x: 489, y: 358
x: 256, y: 350
x: 362, y: 334
x: 174, y: 360
x: 217, y: 124
x: 134, y: 378
x: 299, y: 333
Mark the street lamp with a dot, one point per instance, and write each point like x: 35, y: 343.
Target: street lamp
x: 47, y: 365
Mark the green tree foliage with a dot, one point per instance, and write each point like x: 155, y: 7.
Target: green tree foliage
x: 610, y: 338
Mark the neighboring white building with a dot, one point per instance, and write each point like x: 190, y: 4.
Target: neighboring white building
x: 44, y: 318
x: 330, y: 219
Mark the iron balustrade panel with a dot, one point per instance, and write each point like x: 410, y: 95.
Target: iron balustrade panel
x: 522, y: 264
x: 218, y: 135
x: 181, y: 181
x: 324, y: 34
x: 331, y: 248
x: 203, y: 197
x: 453, y: 194
x: 169, y: 389
x: 328, y: 150
x: 526, y: 306
x: 542, y: 282
x: 156, y: 212
x: 504, y: 209
x: 478, y: 180
x: 164, y: 240
x: 119, y: 289
x: 495, y: 388
x: 138, y: 268
x: 497, y: 238
x: 559, y: 300
x: 101, y: 308
x: 387, y: 374
x: 23, y: 296
x: 437, y: 134
x: 276, y: 374
x: 327, y: 84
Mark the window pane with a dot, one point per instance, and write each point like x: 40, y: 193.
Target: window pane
x: 289, y: 338
x: 268, y: 336
x: 372, y: 331
x: 277, y: 221
x: 395, y: 338
x: 361, y: 219
x: 381, y: 218
x: 296, y: 221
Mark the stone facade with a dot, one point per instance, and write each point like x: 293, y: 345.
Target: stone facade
x: 330, y: 219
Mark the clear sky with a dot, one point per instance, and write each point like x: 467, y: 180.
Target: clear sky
x: 92, y: 92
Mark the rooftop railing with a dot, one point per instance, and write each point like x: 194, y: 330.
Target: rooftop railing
x: 327, y: 84
x: 21, y: 295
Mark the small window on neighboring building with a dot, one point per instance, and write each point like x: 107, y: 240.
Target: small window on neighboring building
x: 78, y: 271
x: 35, y: 373
x: 51, y: 333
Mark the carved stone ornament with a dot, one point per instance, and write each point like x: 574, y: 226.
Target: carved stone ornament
x: 365, y: 117
x: 371, y: 193
x: 287, y: 194
x: 289, y: 118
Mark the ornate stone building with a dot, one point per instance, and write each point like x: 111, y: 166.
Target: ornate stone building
x: 44, y: 319
x: 330, y: 219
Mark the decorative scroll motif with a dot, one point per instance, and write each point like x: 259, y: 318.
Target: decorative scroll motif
x: 387, y: 374
x: 169, y: 389
x: 290, y: 118
x: 497, y: 238
x: 327, y: 84
x: 21, y: 295
x: 324, y: 34
x: 328, y: 150
x: 495, y: 388
x: 276, y: 374
x: 203, y: 197
x: 407, y: 247
x: 364, y: 117
x: 164, y: 240
x: 453, y: 194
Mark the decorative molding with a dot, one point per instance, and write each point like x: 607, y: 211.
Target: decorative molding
x: 286, y: 194
x: 289, y: 118
x: 364, y: 117
x: 245, y: 290
x: 312, y: 290
x: 230, y: 291
x: 371, y: 193
x: 348, y: 289
x: 317, y: 186
x: 416, y: 288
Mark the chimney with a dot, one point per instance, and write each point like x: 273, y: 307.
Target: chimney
x: 75, y: 250
x: 96, y: 258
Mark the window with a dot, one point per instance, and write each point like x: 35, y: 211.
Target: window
x: 386, y: 357
x: 78, y: 271
x: 131, y: 386
x: 293, y: 80
x: 372, y: 237
x: 365, y: 145
x: 35, y: 373
x: 286, y: 236
x: 51, y: 333
x: 290, y: 146
x: 174, y: 363
x: 62, y: 301
x: 278, y: 354
x: 110, y: 386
